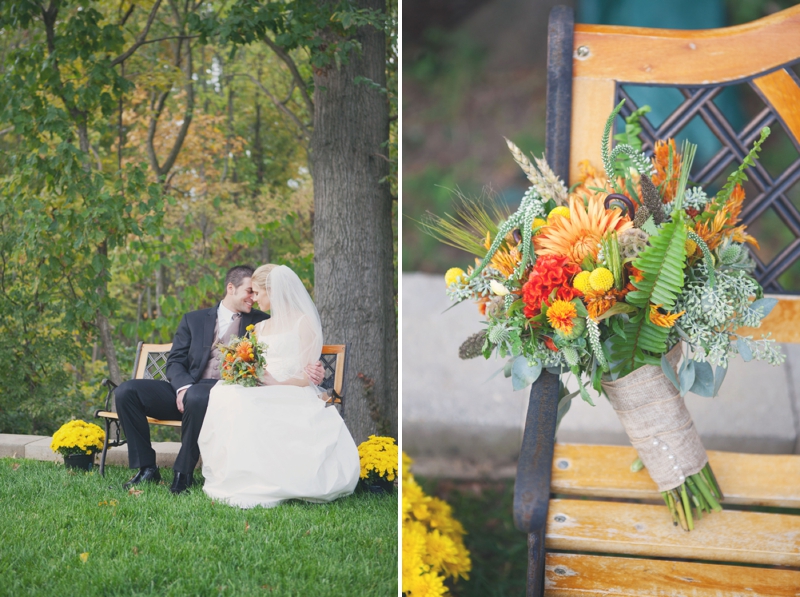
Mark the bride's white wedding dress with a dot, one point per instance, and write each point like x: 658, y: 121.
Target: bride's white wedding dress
x: 264, y: 445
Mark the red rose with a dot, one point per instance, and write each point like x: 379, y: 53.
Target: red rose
x: 551, y: 272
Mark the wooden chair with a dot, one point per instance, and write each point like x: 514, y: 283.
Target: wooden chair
x: 151, y: 363
x: 597, y: 545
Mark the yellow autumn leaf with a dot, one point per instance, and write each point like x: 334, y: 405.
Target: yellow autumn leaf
x: 84, y: 556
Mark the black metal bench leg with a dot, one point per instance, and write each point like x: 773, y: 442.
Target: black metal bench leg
x: 105, y: 450
x: 534, y: 470
x: 536, y: 555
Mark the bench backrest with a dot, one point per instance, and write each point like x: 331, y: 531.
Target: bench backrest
x: 151, y: 363
x: 592, y: 67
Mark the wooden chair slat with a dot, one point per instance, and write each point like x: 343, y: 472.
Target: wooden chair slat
x: 781, y: 90
x: 783, y: 323
x: 644, y: 529
x: 661, y: 56
x: 568, y: 575
x: 745, y: 479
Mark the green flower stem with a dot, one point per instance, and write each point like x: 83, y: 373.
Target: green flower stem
x: 679, y: 507
x: 708, y: 472
x: 668, y: 499
x: 698, y: 497
x: 702, y: 485
x: 686, y: 507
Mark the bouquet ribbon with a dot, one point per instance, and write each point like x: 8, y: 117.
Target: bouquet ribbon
x: 657, y: 423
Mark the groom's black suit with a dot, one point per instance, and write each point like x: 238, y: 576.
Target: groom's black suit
x: 138, y: 399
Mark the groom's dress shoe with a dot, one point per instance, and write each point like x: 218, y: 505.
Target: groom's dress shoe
x: 181, y: 483
x: 146, y: 473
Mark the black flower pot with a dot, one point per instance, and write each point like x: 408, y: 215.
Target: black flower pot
x: 79, y: 461
x: 380, y: 486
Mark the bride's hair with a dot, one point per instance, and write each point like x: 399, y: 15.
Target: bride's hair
x: 261, y: 275
x: 292, y: 312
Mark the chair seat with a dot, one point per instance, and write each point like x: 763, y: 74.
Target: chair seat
x: 106, y: 414
x: 594, y: 576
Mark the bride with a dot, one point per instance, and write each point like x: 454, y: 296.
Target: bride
x: 264, y: 445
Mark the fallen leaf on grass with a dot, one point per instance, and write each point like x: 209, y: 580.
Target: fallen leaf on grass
x: 308, y: 532
x: 246, y: 526
x: 133, y: 491
x: 135, y: 550
x: 84, y: 556
x: 15, y: 466
x: 267, y: 587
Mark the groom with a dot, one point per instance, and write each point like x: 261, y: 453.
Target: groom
x: 192, y: 369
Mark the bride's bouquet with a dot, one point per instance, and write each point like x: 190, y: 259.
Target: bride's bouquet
x: 243, y: 360
x: 613, y: 282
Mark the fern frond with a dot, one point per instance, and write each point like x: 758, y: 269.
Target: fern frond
x: 628, y: 351
x: 662, y: 266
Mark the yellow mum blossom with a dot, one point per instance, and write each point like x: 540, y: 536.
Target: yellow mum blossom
x: 662, y: 320
x: 378, y: 457
x: 581, y: 282
x: 560, y: 211
x: 433, y: 546
x: 561, y: 314
x: 453, y: 275
x: 78, y: 437
x: 601, y: 279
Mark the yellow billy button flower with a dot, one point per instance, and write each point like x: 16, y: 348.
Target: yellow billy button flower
x: 581, y: 282
x: 561, y: 210
x: 538, y: 223
x: 498, y: 288
x: 250, y: 328
x: 601, y: 279
x: 453, y: 275
x: 690, y: 247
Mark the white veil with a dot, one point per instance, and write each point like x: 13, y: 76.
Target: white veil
x: 292, y: 312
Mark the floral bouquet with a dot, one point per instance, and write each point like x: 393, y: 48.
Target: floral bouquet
x: 613, y: 282
x: 243, y: 359
x: 78, y: 437
x: 378, y: 457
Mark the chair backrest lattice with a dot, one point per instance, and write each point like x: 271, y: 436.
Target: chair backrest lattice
x: 151, y: 363
x: 766, y: 192
x: 592, y: 67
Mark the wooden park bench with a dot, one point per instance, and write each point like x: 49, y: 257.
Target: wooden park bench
x: 594, y: 527
x: 151, y: 363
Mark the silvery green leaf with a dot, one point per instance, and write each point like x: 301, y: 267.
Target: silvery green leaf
x: 765, y: 305
x: 523, y: 374
x: 669, y: 372
x: 744, y: 349
x: 686, y: 376
x: 507, y: 368
x: 703, y: 380
x: 718, y: 378
x: 563, y: 407
x: 585, y: 395
x: 682, y: 334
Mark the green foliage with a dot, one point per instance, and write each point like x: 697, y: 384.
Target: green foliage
x: 736, y: 177
x: 662, y: 264
x: 639, y: 335
x: 630, y: 136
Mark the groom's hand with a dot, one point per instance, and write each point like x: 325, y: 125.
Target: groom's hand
x: 316, y: 373
x: 179, y: 399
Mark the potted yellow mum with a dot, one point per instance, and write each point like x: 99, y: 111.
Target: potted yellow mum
x: 379, y: 460
x: 78, y: 441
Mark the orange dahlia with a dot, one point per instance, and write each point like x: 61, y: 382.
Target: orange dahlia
x: 579, y: 235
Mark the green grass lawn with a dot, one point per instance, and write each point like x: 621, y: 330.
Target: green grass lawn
x: 154, y: 543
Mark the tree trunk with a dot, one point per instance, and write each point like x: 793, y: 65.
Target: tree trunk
x: 353, y: 265
x: 105, y: 327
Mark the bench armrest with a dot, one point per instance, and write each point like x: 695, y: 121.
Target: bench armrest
x: 111, y: 387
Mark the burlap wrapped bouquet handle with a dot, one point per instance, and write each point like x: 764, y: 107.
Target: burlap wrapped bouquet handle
x: 657, y: 423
